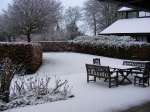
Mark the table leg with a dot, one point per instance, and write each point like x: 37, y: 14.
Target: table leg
x: 124, y: 76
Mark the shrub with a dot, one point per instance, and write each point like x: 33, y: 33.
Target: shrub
x: 109, y: 41
x: 7, y: 72
x: 123, y: 47
x: 110, y: 46
x: 28, y: 54
x: 36, y: 90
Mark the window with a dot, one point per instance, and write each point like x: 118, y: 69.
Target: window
x: 148, y: 39
x: 144, y: 14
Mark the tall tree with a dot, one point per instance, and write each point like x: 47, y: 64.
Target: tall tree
x: 26, y: 17
x: 99, y: 14
x: 72, y: 17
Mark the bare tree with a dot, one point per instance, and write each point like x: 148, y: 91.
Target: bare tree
x: 99, y: 14
x: 26, y: 17
x: 72, y: 17
x: 73, y: 14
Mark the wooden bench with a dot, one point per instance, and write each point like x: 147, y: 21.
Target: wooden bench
x: 101, y: 72
x: 142, y: 72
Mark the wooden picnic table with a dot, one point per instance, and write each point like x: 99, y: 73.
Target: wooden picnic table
x: 124, y: 72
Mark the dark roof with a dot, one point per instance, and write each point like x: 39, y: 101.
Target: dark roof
x: 139, y: 4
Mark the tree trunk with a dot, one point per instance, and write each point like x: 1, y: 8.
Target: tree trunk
x: 95, y: 27
x: 9, y: 38
x: 28, y: 37
x: 14, y: 38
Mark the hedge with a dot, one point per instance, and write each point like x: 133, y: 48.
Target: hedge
x: 30, y: 54
x: 134, y: 52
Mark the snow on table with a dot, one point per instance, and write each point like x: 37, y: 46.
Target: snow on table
x: 89, y: 97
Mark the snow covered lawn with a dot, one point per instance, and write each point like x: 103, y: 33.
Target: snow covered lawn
x: 92, y: 97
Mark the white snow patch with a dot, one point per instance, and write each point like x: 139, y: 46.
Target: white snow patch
x: 125, y: 9
x: 92, y: 97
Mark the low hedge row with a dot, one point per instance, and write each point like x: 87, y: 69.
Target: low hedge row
x: 131, y: 52
x: 27, y: 53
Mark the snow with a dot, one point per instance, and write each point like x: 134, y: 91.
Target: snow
x: 92, y: 97
x: 126, y: 26
x: 124, y: 9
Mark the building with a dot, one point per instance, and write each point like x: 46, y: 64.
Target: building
x: 138, y: 4
x: 132, y: 22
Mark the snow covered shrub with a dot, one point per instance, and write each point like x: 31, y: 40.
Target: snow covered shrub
x: 36, y: 90
x: 123, y: 47
x: 23, y: 86
x: 110, y: 41
x: 30, y: 54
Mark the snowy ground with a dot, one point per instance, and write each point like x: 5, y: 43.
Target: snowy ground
x: 92, y: 97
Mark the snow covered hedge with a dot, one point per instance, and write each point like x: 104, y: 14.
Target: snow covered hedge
x: 122, y: 47
x: 109, y: 41
x: 55, y: 46
x: 29, y: 54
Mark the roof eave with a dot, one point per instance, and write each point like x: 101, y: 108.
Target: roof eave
x: 127, y: 34
x: 138, y: 4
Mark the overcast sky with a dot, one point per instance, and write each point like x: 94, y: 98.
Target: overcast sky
x: 4, y: 4
x: 66, y: 3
